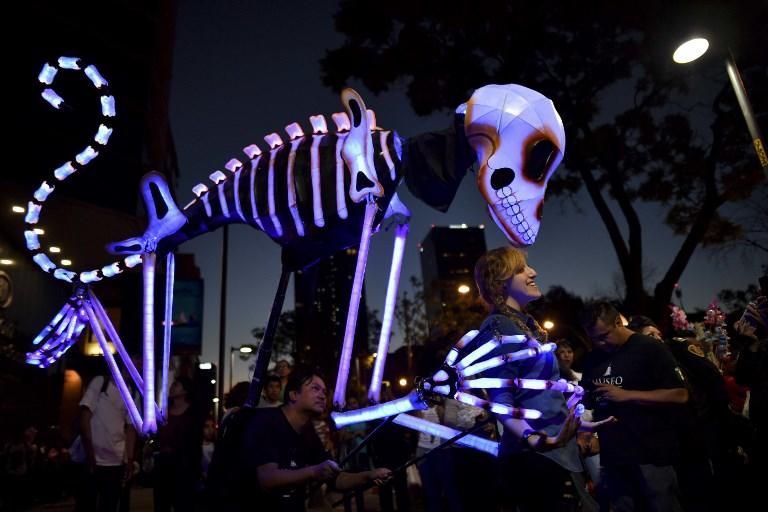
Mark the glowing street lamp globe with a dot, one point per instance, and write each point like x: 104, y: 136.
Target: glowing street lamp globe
x: 690, y: 50
x: 463, y: 289
x: 548, y: 324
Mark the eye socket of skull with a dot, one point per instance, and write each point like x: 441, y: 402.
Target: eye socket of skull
x: 539, y: 157
x: 502, y: 177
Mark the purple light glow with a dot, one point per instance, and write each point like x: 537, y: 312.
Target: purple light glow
x: 42, y: 193
x: 33, y: 213
x: 64, y: 171
x: 271, y: 186
x: 86, y: 155
x: 170, y: 271
x: 107, y: 106
x: 95, y: 77
x: 102, y: 136
x: 407, y: 403
x: 47, y: 74
x: 101, y: 314
x: 44, y: 262
x: 33, y: 242
x: 500, y: 360
x: 454, y: 353
x: 69, y: 63
x: 292, y: 206
x: 484, y: 349
x: 515, y: 412
x: 148, y: 265
x: 374, y: 391
x: 51, y: 326
x: 444, y: 432
x: 51, y: 97
x: 385, y: 153
x: 133, y: 411
x: 341, y: 197
x: 314, y: 166
x: 64, y: 275
x: 339, y: 394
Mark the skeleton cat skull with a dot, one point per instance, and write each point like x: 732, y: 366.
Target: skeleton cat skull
x: 519, y: 141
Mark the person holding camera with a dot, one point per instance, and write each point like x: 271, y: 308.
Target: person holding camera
x: 635, y: 379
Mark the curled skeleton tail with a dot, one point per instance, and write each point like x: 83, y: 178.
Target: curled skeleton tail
x: 34, y: 209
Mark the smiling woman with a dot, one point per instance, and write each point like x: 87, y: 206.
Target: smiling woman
x: 539, y: 456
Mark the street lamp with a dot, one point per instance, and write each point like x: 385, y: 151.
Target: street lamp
x: 693, y: 49
x: 463, y: 289
x: 245, y: 352
x: 548, y: 324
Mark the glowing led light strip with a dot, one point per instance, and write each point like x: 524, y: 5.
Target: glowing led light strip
x: 133, y: 411
x: 290, y: 178
x: 314, y: 165
x: 341, y: 195
x: 170, y: 271
x: 385, y: 153
x: 150, y: 423
x: 374, y: 391
x: 254, y: 153
x: 276, y: 146
x: 444, y: 432
x: 46, y: 77
x: 410, y: 402
x: 339, y: 393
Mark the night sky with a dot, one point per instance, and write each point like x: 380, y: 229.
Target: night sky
x: 245, y: 69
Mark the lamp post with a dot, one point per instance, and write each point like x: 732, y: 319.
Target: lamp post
x: 695, y: 48
x: 246, y: 351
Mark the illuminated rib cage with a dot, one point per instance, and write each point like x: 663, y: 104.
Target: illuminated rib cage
x: 297, y: 192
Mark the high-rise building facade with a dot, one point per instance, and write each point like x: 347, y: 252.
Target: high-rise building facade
x: 448, y: 257
x: 322, y: 300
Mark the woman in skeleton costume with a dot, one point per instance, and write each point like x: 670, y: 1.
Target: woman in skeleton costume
x: 540, y: 466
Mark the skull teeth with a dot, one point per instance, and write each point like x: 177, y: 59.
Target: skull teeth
x: 510, y: 207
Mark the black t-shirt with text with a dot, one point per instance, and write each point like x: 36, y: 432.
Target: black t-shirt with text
x: 269, y: 438
x: 644, y: 433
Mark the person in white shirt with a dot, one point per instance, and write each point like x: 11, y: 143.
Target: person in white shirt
x: 108, y: 439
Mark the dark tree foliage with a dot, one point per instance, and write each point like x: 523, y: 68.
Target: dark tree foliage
x: 627, y: 108
x: 285, y: 335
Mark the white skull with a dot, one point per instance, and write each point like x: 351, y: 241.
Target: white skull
x: 519, y: 140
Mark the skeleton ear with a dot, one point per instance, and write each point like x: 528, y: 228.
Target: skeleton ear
x: 163, y: 216
x: 357, y: 150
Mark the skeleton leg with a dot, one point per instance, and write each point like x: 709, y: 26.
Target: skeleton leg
x: 150, y: 424
x: 374, y: 391
x: 339, y: 394
x: 133, y: 411
x: 170, y: 270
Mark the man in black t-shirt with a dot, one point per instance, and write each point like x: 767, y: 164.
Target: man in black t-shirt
x: 281, y: 453
x: 634, y: 378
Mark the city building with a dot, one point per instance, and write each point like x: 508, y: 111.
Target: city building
x: 322, y: 300
x: 448, y: 257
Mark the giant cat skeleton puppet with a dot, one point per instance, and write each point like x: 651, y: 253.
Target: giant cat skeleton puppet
x: 313, y: 193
